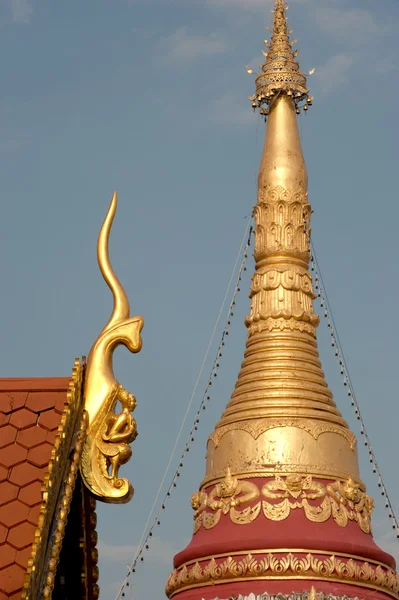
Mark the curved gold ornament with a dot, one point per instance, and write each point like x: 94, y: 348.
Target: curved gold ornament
x: 344, y: 501
x: 285, y: 565
x: 107, y: 445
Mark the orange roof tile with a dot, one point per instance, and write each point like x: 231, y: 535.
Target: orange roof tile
x: 30, y: 412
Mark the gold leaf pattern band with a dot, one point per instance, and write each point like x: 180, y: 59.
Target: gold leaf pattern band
x: 343, y: 501
x: 272, y: 566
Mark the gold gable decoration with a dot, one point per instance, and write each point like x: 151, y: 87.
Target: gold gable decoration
x: 57, y: 491
x: 109, y: 435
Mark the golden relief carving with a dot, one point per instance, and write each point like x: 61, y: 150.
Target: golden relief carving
x: 256, y: 427
x: 231, y: 492
x: 288, y: 279
x: 283, y: 565
x: 198, y: 503
x: 109, y: 436
x: 350, y: 496
x: 282, y: 296
x: 343, y: 501
x: 282, y: 222
x: 283, y: 292
x: 294, y: 485
x: 270, y: 324
x: 279, y: 194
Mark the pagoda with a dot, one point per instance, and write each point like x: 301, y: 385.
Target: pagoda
x: 282, y: 511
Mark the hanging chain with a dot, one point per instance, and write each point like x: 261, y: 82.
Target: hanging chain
x: 321, y: 292
x: 145, y: 545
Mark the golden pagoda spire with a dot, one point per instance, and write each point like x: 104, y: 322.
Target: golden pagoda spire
x: 282, y: 477
x: 281, y: 417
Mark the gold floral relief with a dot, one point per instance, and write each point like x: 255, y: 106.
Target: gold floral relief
x: 344, y: 501
x: 231, y: 492
x: 276, y: 565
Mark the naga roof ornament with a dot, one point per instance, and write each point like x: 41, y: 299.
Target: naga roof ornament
x: 109, y: 435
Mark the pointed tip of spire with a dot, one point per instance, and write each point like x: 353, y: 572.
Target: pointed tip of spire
x: 280, y: 72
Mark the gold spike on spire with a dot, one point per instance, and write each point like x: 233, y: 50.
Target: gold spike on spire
x: 281, y: 417
x: 312, y: 593
x: 280, y: 71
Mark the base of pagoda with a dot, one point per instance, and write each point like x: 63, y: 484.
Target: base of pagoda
x: 286, y: 522
x: 282, y: 571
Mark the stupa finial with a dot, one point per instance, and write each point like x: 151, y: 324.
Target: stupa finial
x: 280, y: 71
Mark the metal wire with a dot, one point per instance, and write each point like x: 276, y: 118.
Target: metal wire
x: 320, y: 289
x: 144, y: 543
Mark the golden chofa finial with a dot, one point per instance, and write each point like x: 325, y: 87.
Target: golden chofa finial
x: 107, y: 445
x: 280, y: 71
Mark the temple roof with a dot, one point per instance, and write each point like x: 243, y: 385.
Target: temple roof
x: 30, y: 413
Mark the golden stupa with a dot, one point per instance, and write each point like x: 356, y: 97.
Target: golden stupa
x: 282, y: 508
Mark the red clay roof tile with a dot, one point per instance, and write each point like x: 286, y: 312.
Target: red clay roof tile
x: 10, y: 577
x: 7, y: 556
x: 51, y: 436
x: 12, y: 455
x: 31, y: 494
x: 49, y: 419
x: 40, y: 401
x: 39, y: 456
x: 22, y: 557
x: 12, y: 401
x: 13, y: 513
x: 7, y: 435
x: 3, y: 473
x: 3, y: 534
x: 21, y: 536
x: 26, y: 473
x: 31, y: 437
x: 23, y: 418
x: 34, y: 513
x: 8, y: 492
x: 27, y: 413
x: 60, y: 399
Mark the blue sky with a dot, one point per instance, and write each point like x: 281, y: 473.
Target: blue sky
x: 150, y: 97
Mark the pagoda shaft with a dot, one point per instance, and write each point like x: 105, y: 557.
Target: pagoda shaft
x: 281, y: 417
